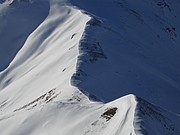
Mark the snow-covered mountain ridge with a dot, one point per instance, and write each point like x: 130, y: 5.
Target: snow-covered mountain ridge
x: 56, y: 53
x: 137, y: 48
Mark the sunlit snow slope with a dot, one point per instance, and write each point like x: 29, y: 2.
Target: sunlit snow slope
x: 55, y: 55
x: 48, y: 57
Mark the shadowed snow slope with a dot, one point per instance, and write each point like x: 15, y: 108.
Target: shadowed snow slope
x: 53, y: 56
x: 134, y: 47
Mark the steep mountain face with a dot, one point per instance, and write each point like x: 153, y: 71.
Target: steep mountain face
x: 156, y: 121
x: 59, y: 59
x: 134, y: 47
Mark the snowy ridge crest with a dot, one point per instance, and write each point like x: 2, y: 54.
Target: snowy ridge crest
x: 43, y: 89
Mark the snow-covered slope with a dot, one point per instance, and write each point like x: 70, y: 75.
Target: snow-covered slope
x: 73, y: 119
x: 54, y: 54
x: 154, y: 120
x: 132, y: 47
x: 48, y: 58
x: 16, y: 24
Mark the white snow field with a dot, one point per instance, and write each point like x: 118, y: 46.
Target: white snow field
x: 65, y: 63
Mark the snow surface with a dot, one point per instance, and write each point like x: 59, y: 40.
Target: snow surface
x: 137, y: 50
x: 56, y: 55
